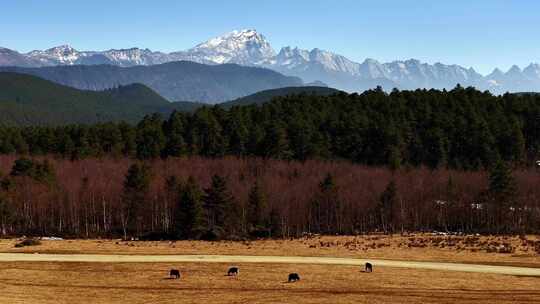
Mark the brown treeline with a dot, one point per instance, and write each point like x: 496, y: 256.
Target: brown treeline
x: 85, y: 198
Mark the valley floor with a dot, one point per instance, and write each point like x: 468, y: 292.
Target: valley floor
x: 119, y: 279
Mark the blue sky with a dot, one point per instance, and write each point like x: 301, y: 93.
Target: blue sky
x: 483, y: 34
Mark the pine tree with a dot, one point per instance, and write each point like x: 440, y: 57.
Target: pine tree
x: 237, y: 132
x: 172, y: 188
x: 256, y: 207
x: 394, y: 159
x: 436, y: 151
x: 274, y: 223
x: 387, y: 201
x: 207, y: 134
x: 189, y: 217
x: 502, y: 193
x: 174, y: 130
x: 276, y: 142
x: 516, y: 143
x: 255, y: 141
x: 150, y: 138
x: 220, y: 207
x: 134, y: 197
x: 326, y: 207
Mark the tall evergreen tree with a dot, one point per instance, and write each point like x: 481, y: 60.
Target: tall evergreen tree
x: 189, y: 217
x: 150, y: 138
x: 326, y: 207
x: 387, y: 203
x: 134, y: 197
x: 276, y: 142
x: 256, y: 207
x: 220, y: 207
x: 174, y: 132
x: 502, y: 193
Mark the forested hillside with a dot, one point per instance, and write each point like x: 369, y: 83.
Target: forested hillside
x: 29, y: 100
x: 268, y: 95
x: 462, y: 129
x: 182, y: 80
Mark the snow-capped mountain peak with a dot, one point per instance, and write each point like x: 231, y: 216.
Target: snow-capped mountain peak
x: 298, y: 58
x: 243, y: 47
x: 291, y: 57
x: 63, y: 54
x: 61, y: 49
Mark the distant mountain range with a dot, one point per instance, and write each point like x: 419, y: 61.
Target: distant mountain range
x: 248, y: 47
x: 176, y: 81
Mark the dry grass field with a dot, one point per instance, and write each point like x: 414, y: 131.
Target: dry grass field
x: 63, y: 282
x: 257, y: 283
x: 495, y: 250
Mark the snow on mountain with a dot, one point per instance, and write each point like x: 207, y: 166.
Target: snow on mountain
x: 291, y: 58
x: 415, y: 74
x: 373, y: 68
x: 60, y: 55
x: 66, y: 55
x: 248, y: 47
x: 12, y: 58
x: 333, y: 62
x: 135, y: 56
x: 242, y: 47
x: 298, y: 59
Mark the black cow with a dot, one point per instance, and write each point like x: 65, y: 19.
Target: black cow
x: 174, y: 273
x: 293, y: 277
x: 233, y: 271
x: 369, y: 267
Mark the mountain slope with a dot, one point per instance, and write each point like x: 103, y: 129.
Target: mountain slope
x: 12, y: 58
x: 29, y: 100
x: 268, y: 95
x: 183, y: 80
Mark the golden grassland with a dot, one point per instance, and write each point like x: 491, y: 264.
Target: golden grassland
x: 257, y: 283
x: 63, y: 282
x: 414, y: 247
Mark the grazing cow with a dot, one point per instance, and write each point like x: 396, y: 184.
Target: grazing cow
x: 174, y: 273
x: 369, y: 267
x: 233, y: 271
x: 293, y: 277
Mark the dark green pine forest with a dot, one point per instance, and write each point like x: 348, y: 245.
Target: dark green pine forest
x: 462, y: 128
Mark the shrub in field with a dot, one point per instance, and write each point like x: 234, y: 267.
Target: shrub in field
x: 28, y: 242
